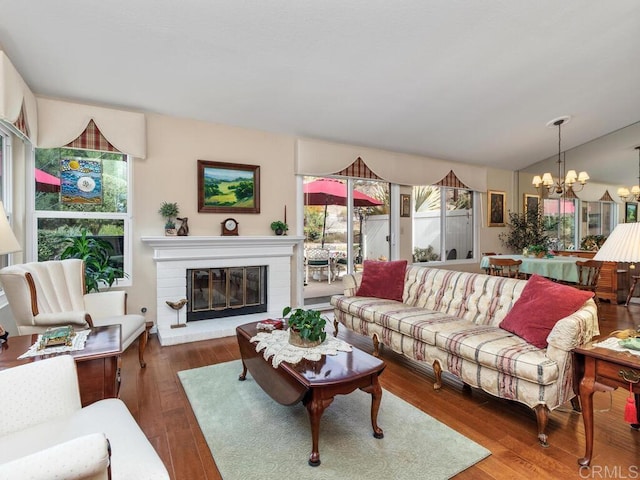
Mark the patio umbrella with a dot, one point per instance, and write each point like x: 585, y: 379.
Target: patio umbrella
x: 45, y: 182
x: 329, y: 191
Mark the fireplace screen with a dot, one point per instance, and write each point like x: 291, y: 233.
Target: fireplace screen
x: 225, y: 292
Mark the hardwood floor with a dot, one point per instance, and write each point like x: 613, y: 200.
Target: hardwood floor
x: 156, y: 399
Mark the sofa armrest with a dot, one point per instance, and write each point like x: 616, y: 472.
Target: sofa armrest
x: 35, y: 392
x: 83, y: 458
x: 61, y: 318
x: 106, y: 304
x: 351, y: 283
x: 576, y: 329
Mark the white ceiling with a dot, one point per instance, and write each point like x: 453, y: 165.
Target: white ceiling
x: 472, y: 81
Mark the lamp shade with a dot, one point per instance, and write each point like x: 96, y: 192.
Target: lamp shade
x: 8, y: 241
x: 623, y: 245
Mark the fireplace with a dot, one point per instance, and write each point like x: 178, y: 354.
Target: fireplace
x: 226, y: 292
x: 173, y: 256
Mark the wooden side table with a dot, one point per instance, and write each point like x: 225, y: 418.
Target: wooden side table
x: 98, y: 364
x: 603, y: 370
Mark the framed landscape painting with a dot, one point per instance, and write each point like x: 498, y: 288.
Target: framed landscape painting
x: 497, y: 210
x: 228, y: 187
x: 630, y: 212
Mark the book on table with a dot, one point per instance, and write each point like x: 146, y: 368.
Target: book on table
x: 270, y: 324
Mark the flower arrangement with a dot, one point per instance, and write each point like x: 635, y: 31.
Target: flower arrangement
x: 592, y: 242
x: 537, y: 250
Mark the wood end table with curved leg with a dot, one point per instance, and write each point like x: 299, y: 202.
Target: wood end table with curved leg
x: 599, y: 369
x: 315, y: 384
x: 98, y: 363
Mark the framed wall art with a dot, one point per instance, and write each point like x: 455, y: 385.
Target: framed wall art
x: 630, y: 212
x: 405, y: 205
x: 81, y: 181
x: 497, y: 210
x: 531, y: 203
x: 228, y: 187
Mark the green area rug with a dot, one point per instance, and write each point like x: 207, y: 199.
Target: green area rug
x: 253, y: 437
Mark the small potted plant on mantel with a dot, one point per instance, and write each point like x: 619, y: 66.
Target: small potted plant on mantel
x: 169, y: 211
x: 306, y: 327
x: 280, y: 228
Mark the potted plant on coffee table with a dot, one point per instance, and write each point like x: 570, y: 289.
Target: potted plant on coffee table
x: 306, y: 327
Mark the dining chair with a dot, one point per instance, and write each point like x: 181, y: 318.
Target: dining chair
x: 588, y: 275
x: 318, y: 260
x: 505, y: 267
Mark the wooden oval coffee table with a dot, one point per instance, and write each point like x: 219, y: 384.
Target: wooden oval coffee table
x: 313, y: 383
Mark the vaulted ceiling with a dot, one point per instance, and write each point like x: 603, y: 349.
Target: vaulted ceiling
x: 471, y: 81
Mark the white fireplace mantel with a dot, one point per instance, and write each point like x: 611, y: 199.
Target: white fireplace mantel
x: 174, y: 255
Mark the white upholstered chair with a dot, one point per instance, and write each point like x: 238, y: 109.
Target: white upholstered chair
x: 46, y: 294
x: 45, y: 434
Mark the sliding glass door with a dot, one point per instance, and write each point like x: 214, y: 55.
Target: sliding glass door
x: 346, y: 221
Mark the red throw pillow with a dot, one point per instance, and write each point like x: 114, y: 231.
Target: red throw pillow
x: 540, y: 306
x: 383, y: 279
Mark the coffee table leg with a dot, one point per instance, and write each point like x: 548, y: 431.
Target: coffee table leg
x: 316, y: 407
x: 376, y: 396
x: 243, y: 375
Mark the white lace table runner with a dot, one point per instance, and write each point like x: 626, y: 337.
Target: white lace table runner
x: 277, y: 344
x: 613, y: 343
x: 79, y: 339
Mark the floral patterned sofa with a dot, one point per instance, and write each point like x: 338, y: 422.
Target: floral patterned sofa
x: 452, y: 320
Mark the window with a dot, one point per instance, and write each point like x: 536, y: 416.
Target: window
x: 82, y: 189
x: 443, y: 234
x: 597, y: 218
x: 5, y: 181
x: 560, y: 223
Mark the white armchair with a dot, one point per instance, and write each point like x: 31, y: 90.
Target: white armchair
x: 45, y: 434
x: 45, y: 294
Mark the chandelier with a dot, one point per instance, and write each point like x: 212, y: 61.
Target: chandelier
x: 623, y: 192
x: 563, y: 183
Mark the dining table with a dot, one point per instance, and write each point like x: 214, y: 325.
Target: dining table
x: 562, y: 268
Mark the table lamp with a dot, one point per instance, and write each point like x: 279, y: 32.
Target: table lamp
x: 8, y: 241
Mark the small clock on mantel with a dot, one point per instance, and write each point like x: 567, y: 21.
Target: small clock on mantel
x: 229, y: 227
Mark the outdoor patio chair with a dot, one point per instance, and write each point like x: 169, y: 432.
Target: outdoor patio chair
x: 339, y: 265
x: 318, y: 260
